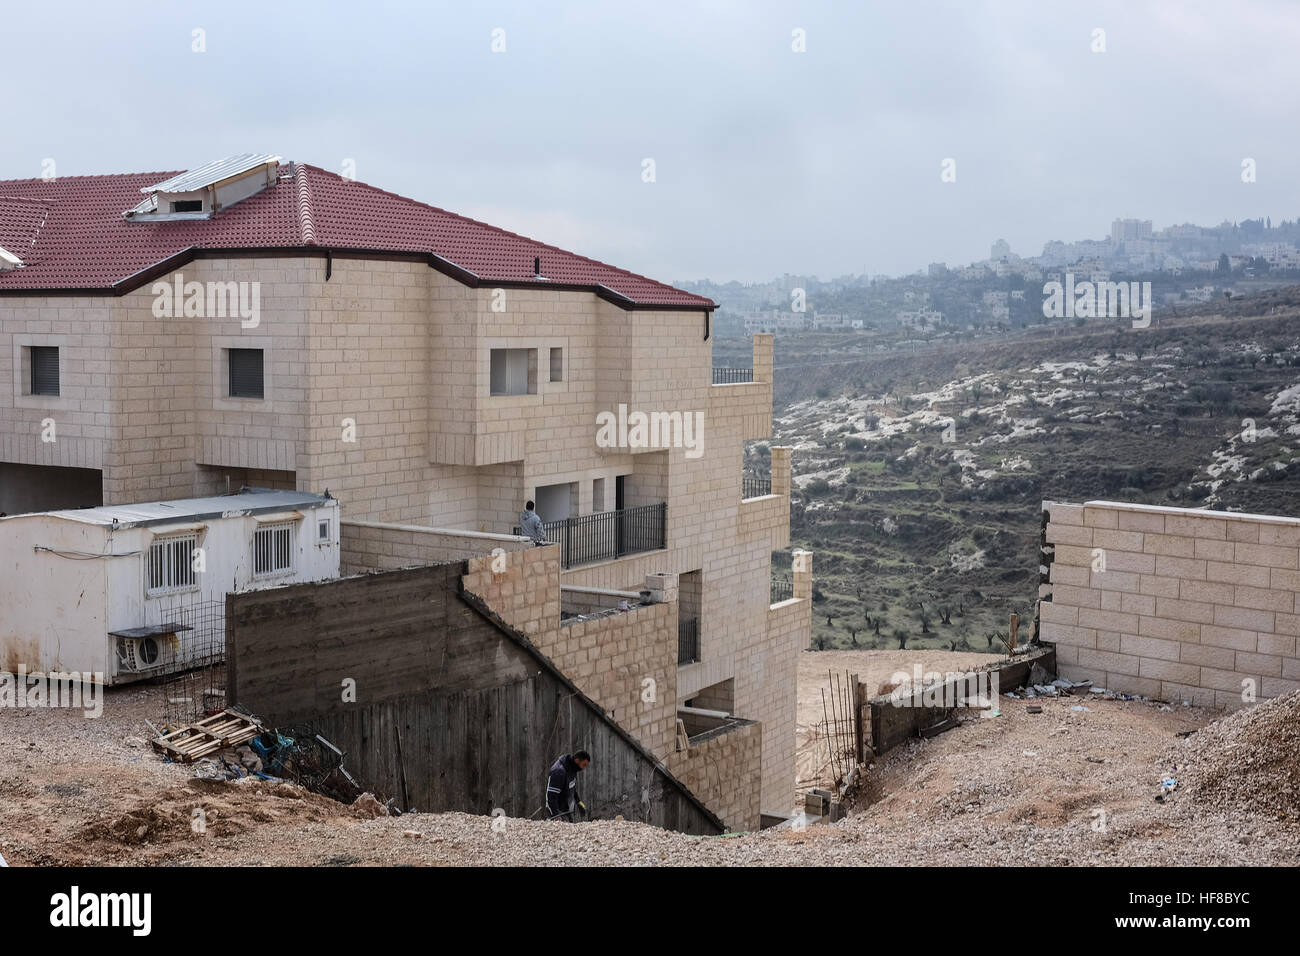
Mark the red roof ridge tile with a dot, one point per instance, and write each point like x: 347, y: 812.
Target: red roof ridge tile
x: 304, y: 207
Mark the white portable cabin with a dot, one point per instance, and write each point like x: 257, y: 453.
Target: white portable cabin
x: 138, y: 591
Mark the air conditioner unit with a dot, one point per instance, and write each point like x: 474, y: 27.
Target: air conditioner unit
x: 142, y: 654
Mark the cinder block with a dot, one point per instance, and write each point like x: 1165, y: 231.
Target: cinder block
x: 1231, y: 637
x: 1246, y: 619
x: 1277, y: 686
x: 1170, y: 671
x: 1265, y: 665
x: 1169, y: 629
x: 1203, y: 655
x: 1280, y: 535
x: 1281, y: 645
x: 1250, y: 575
x: 1225, y: 680
x: 1069, y: 534
x: 1267, y: 555
x: 1180, y: 568
x: 1169, y: 545
x: 1141, y: 521
x: 1052, y: 612
x: 1117, y: 540
x: 1109, y: 662
x: 1100, y: 518
x: 1191, y: 611
x: 1148, y: 647
x: 1107, y: 620
x: 1060, y: 513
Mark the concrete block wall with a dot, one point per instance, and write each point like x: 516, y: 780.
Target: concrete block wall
x: 378, y: 546
x: 1174, y: 603
x: 723, y: 770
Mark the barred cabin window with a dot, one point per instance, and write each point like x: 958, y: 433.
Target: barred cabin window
x: 273, y: 549
x: 171, y: 564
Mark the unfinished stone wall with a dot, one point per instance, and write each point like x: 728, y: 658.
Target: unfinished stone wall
x: 594, y: 600
x: 723, y: 769
x: 377, y: 546
x: 1173, y: 603
x: 625, y: 661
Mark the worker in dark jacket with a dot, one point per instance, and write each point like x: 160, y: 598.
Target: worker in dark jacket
x: 562, y: 800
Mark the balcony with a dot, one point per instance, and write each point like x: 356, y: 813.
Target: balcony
x: 688, y: 641
x: 782, y: 589
x: 732, y: 376
x: 752, y: 486
x: 606, y: 535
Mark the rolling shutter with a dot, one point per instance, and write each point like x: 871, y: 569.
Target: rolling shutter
x: 246, y: 373
x: 45, y: 370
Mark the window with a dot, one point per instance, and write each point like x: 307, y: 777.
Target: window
x: 513, y: 372
x: 557, y: 365
x: 45, y: 369
x: 170, y: 564
x: 273, y: 549
x: 323, y: 531
x: 246, y: 373
x: 598, y: 494
x: 187, y: 205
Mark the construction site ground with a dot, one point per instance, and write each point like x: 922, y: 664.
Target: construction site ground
x: 1061, y: 787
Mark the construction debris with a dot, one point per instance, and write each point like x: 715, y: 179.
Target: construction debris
x: 207, y: 736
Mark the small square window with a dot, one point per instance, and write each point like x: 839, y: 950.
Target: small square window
x: 246, y: 373
x: 557, y: 365
x: 44, y: 361
x: 513, y: 372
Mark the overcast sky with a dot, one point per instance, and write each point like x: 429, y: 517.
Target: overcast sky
x: 766, y: 160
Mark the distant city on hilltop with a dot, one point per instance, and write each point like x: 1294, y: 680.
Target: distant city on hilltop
x: 1185, y: 265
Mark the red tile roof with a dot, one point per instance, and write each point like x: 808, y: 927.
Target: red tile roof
x: 71, y: 235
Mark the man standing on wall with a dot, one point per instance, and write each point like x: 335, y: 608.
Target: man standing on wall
x: 562, y: 800
x: 531, y: 524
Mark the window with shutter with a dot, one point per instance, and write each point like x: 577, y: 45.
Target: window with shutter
x: 45, y: 370
x: 246, y: 373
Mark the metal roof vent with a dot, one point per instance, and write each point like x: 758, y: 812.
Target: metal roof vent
x: 9, y: 261
x: 202, y: 192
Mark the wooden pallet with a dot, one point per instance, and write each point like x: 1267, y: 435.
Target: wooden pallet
x: 208, y: 736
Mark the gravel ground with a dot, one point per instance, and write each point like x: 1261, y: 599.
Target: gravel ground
x: 1061, y: 787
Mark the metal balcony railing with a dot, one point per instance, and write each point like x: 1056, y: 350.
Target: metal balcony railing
x: 688, y: 641
x: 754, y: 487
x: 732, y: 376
x: 782, y: 589
x: 606, y: 535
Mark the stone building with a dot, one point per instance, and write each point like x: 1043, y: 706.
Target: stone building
x: 253, y: 322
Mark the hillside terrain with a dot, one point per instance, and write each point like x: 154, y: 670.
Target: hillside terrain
x: 920, y: 474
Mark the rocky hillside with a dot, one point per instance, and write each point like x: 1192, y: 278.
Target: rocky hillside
x: 920, y: 476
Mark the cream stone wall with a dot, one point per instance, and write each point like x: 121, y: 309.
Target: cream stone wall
x: 1174, y: 603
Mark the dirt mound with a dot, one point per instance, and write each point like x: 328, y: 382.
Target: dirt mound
x: 217, y: 808
x: 1249, y: 760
